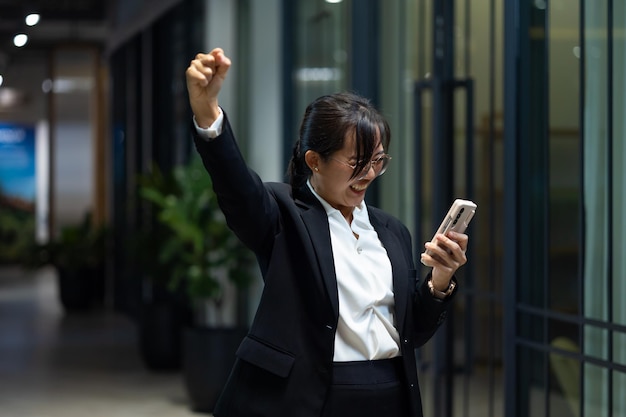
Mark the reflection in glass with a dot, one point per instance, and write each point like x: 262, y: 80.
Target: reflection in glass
x: 322, y: 36
x: 596, y: 398
x: 566, y: 379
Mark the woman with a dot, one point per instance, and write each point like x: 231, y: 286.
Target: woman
x: 341, y: 311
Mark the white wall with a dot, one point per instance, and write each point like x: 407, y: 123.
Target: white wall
x: 73, y: 178
x: 266, y: 93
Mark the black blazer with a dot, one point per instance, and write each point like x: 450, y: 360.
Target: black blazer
x: 284, y: 365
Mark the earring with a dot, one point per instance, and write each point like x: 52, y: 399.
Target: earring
x: 316, y: 170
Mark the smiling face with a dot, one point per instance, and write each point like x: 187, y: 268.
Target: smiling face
x: 341, y: 149
x: 332, y: 178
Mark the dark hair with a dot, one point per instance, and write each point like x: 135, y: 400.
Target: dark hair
x: 326, y: 123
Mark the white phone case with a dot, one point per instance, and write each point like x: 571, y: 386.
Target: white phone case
x: 458, y: 218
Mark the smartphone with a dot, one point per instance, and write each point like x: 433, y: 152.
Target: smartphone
x: 458, y: 218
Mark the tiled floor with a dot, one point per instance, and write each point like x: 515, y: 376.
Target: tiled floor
x: 54, y: 365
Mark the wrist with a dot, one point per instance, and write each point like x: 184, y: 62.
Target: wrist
x: 439, y: 292
x: 208, y: 117
x: 440, y: 283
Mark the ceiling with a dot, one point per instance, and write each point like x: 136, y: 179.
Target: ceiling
x: 62, y: 22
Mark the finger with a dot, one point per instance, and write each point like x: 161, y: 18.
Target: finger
x: 205, y: 66
x: 460, y: 238
x: 206, y: 59
x: 195, y: 75
x: 449, y: 244
x: 204, y: 63
x: 447, y: 251
x: 438, y: 253
x: 441, y: 271
x: 458, y: 249
x: 217, y: 51
x: 426, y: 259
x: 432, y: 260
x: 454, y: 255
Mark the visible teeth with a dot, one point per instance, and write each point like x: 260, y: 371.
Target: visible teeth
x: 358, y: 187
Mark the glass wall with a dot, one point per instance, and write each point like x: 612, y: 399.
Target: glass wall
x: 553, y: 170
x: 562, y: 287
x: 566, y: 109
x: 604, y: 331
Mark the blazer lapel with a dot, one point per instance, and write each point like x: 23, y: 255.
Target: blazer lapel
x: 316, y: 221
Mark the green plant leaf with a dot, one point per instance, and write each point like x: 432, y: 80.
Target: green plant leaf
x: 198, y: 240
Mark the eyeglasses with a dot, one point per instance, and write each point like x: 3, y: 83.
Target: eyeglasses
x: 379, y: 164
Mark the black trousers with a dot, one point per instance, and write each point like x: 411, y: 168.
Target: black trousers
x: 368, y: 389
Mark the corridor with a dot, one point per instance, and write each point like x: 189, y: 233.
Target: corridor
x: 57, y: 365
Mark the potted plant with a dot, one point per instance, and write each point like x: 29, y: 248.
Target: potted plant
x: 17, y: 229
x: 207, y: 260
x: 78, y: 254
x: 163, y: 310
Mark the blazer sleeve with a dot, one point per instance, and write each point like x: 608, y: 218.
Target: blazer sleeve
x: 249, y: 209
x: 429, y: 311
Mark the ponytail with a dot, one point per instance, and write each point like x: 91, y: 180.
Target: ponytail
x: 298, y: 171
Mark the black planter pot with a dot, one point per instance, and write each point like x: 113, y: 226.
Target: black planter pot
x: 161, y: 326
x: 80, y: 289
x: 208, y: 356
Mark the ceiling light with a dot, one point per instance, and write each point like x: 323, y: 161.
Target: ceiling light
x: 1, y: 79
x: 20, y: 40
x: 318, y: 74
x: 333, y: 1
x: 32, y: 19
x: 10, y: 98
x: 63, y: 85
x: 46, y: 85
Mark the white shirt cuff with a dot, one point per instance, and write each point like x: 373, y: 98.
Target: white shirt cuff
x: 212, y: 131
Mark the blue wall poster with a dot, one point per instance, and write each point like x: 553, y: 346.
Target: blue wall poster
x: 17, y: 164
x: 17, y: 188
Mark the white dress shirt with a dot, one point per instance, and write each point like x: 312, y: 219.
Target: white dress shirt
x: 366, y: 328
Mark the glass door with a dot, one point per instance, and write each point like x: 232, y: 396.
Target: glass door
x: 442, y: 87
x: 564, y: 266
